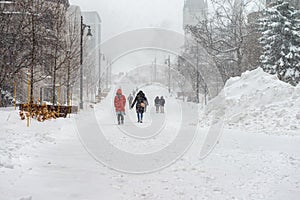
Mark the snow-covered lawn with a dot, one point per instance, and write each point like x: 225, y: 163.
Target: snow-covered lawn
x: 49, y: 161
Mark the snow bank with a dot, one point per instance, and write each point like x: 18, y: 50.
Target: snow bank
x: 257, y: 102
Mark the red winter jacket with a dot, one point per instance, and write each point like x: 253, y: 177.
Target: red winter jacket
x: 120, y: 101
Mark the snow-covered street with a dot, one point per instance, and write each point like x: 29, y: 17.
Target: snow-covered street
x: 50, y: 160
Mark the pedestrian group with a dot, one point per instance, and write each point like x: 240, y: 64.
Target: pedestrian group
x: 159, y: 104
x: 139, y: 101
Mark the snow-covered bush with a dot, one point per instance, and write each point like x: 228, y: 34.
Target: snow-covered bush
x: 280, y: 28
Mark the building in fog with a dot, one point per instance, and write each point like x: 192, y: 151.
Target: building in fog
x: 193, y: 11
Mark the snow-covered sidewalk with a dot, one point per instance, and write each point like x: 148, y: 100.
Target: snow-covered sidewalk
x: 242, y: 166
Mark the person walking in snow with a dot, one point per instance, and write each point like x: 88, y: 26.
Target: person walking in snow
x: 157, y: 104
x: 162, y: 102
x: 140, y: 100
x: 120, y: 102
x: 130, y: 99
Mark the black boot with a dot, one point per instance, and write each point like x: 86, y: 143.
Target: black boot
x: 119, y: 119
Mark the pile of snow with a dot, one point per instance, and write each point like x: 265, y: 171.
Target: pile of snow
x: 257, y: 102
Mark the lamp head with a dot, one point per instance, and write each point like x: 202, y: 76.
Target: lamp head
x: 89, y: 33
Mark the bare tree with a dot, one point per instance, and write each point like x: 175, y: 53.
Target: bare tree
x: 14, y: 51
x: 223, y: 35
x: 34, y: 38
x: 60, y: 56
x: 70, y: 72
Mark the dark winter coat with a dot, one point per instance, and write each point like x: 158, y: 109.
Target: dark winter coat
x: 157, y: 101
x: 139, y: 99
x: 162, y: 101
x: 130, y: 98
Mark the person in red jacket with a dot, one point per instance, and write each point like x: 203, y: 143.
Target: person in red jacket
x: 120, y: 102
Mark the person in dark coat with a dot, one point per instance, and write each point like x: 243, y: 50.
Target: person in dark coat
x: 157, y: 104
x: 130, y: 99
x: 140, y: 101
x: 162, y: 102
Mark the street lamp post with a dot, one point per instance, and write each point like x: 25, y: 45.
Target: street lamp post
x: 82, y: 28
x: 99, y: 81
x: 155, y: 69
x: 168, y: 61
x: 108, y: 73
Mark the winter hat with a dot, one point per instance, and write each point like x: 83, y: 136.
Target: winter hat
x: 140, y: 93
x: 119, y: 91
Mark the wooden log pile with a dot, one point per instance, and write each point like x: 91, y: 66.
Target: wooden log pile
x: 44, y: 112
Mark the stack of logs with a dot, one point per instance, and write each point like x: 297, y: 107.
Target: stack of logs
x: 41, y: 112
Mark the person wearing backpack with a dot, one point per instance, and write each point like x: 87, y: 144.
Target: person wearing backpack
x: 141, y: 102
x: 130, y: 99
x: 157, y: 104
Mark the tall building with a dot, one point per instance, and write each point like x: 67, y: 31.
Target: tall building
x: 193, y: 11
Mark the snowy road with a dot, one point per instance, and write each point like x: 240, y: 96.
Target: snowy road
x: 135, y: 147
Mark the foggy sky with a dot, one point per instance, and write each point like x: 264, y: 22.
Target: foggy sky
x: 124, y: 15
x: 119, y: 16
